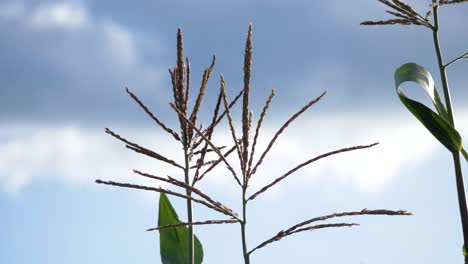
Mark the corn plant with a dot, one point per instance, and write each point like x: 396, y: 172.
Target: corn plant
x: 198, y: 142
x: 440, y: 123
x: 179, y: 244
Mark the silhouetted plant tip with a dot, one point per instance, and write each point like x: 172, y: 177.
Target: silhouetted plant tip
x: 209, y: 130
x: 404, y: 13
x: 450, y: 2
x: 180, y: 74
x: 282, y: 234
x: 140, y: 103
x: 174, y: 84
x: 277, y: 180
x: 204, y: 196
x: 300, y: 227
x: 283, y: 127
x: 201, y: 93
x: 257, y: 131
x: 208, y: 222
x: 315, y: 227
x: 245, y: 101
x: 231, y: 123
x: 201, y: 160
x: 187, y: 85
x: 191, y: 188
x: 163, y: 190
x: 137, y: 148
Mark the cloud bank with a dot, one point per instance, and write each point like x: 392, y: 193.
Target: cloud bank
x: 60, y: 55
x: 77, y: 155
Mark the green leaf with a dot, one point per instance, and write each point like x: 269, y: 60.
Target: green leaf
x: 464, y: 251
x: 463, y: 151
x: 174, y: 242
x: 436, y: 123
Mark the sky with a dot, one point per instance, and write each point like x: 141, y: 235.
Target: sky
x: 65, y: 65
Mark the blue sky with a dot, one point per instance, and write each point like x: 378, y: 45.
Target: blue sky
x: 64, y: 68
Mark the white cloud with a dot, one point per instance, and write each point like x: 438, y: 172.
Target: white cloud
x: 84, y: 46
x: 77, y: 156
x: 70, y: 154
x: 121, y: 42
x: 116, y: 40
x: 61, y: 15
x: 402, y: 142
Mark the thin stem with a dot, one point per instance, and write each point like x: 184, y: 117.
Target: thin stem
x: 461, y: 196
x: 243, y: 224
x: 189, y: 203
x: 464, y: 56
x: 443, y: 72
x: 456, y: 155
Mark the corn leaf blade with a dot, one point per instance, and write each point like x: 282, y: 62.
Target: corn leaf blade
x: 465, y: 154
x: 436, y: 123
x: 174, y: 241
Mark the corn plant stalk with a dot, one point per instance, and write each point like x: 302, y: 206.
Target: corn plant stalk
x: 448, y: 102
x: 189, y: 204
x: 440, y: 124
x: 188, y: 249
x: 181, y: 94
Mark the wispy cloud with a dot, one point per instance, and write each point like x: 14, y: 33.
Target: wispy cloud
x: 77, y: 155
x: 62, y: 15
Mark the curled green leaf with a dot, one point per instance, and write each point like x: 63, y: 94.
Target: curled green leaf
x: 436, y: 123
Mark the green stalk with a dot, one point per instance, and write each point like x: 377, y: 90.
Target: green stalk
x: 456, y: 155
x: 243, y: 224
x: 443, y: 72
x: 191, y: 238
x: 189, y: 207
